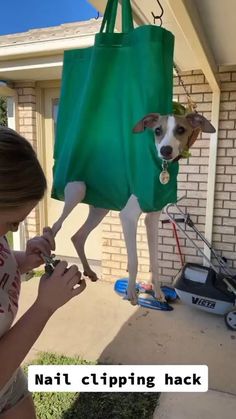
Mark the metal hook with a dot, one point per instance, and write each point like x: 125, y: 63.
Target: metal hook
x: 98, y: 15
x: 160, y: 16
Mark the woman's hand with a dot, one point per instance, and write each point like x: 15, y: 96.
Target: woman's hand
x: 57, y: 289
x: 37, y: 246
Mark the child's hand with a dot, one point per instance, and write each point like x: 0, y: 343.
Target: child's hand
x: 57, y: 289
x: 39, y: 245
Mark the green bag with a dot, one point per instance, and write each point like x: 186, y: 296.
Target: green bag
x: 106, y: 90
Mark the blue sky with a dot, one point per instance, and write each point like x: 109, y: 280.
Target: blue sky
x: 22, y: 15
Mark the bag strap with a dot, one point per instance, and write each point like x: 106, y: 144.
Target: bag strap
x: 127, y: 16
x: 109, y: 18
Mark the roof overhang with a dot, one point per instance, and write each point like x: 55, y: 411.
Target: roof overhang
x: 180, y: 17
x: 44, y: 48
x: 42, y: 59
x: 36, y: 69
x: 187, y: 17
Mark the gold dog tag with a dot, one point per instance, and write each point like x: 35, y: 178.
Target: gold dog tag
x: 164, y: 175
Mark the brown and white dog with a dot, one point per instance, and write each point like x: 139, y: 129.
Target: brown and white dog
x: 173, y: 135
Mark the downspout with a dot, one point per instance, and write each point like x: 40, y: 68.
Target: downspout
x: 189, y: 21
x: 215, y: 113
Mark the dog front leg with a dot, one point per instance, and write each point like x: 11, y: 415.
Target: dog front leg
x: 151, y: 222
x: 129, y: 218
x: 94, y: 218
x: 74, y: 194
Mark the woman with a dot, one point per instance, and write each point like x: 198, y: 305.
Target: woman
x: 22, y: 186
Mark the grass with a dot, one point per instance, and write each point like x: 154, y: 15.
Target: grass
x: 10, y: 239
x: 90, y: 405
x: 39, y: 273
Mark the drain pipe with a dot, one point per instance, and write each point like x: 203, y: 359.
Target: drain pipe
x: 215, y: 113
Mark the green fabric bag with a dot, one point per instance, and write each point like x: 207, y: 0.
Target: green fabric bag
x: 106, y: 90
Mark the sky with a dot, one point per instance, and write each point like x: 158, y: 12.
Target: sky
x: 23, y: 15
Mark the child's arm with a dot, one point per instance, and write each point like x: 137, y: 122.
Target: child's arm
x: 53, y: 292
x: 31, y: 258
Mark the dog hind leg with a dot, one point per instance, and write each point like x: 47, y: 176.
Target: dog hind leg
x: 74, y: 194
x: 129, y: 218
x: 151, y: 223
x: 94, y: 218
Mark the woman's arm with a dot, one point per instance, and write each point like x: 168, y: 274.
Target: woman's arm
x: 16, y: 343
x: 54, y: 291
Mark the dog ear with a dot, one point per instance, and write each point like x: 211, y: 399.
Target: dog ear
x: 147, y: 122
x: 198, y: 121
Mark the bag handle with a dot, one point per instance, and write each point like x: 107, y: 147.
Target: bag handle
x: 127, y: 16
x: 109, y: 17
x: 110, y: 14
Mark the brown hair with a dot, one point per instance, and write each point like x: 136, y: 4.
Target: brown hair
x: 21, y: 176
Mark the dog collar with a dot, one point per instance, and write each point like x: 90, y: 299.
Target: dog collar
x: 191, y: 140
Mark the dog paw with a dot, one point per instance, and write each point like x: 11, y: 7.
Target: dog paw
x: 91, y: 275
x: 132, y: 297
x: 160, y: 296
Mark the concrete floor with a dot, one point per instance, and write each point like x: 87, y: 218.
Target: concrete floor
x: 212, y: 404
x: 100, y: 325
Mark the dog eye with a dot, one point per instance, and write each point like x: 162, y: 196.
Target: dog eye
x: 158, y: 131
x: 180, y: 130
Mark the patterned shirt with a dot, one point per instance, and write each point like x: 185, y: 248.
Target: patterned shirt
x: 10, y: 283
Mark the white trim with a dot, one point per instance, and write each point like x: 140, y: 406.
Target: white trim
x: 212, y: 171
x: 187, y: 17
x: 31, y: 63
x: 47, y: 46
x: 41, y: 151
x: 18, y: 236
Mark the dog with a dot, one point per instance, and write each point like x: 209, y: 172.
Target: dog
x: 173, y: 135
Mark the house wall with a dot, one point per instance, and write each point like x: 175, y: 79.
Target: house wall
x: 224, y: 231
x: 27, y: 128
x: 192, y: 181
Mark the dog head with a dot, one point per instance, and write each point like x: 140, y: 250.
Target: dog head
x: 174, y: 134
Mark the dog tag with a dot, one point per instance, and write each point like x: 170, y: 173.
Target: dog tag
x: 164, y: 175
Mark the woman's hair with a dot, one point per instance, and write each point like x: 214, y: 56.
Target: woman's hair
x: 21, y: 176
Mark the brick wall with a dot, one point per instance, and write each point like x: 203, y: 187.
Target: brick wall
x: 27, y: 128
x: 224, y: 231
x: 114, y: 257
x: 192, y: 182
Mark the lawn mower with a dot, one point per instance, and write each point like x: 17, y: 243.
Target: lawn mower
x: 210, y: 288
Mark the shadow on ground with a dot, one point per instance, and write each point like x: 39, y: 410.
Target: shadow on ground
x: 184, y: 336
x: 113, y: 406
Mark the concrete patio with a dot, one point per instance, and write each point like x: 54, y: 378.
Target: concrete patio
x: 99, y: 325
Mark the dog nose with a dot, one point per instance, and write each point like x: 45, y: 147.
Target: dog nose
x: 166, y: 150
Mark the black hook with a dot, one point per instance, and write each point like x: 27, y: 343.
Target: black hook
x: 98, y: 15
x: 160, y: 16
